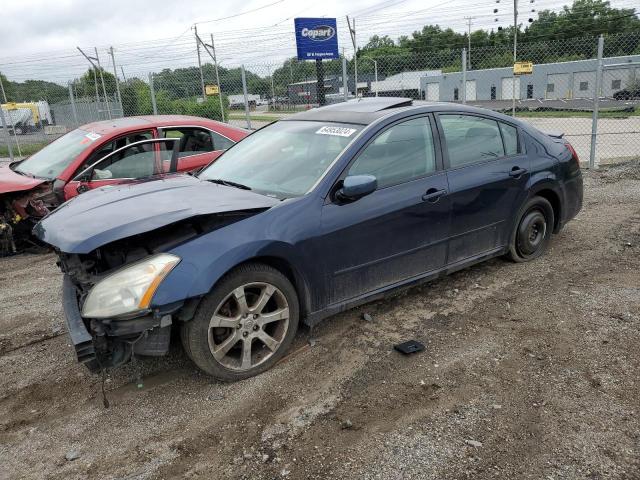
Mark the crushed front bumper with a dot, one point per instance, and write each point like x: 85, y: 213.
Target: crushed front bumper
x: 113, y: 341
x: 80, y: 336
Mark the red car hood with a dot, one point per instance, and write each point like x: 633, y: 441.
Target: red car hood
x: 11, y: 181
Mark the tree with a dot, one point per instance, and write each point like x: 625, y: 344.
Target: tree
x: 86, y: 85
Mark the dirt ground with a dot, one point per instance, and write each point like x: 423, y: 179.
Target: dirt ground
x: 530, y: 371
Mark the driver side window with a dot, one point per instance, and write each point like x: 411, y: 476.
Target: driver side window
x: 110, y: 147
x: 135, y: 161
x: 399, y: 154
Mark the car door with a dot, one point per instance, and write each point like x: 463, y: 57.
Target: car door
x: 198, y: 146
x: 133, y: 162
x: 487, y: 172
x: 400, y: 230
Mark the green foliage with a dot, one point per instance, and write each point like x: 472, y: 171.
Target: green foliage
x: 435, y: 48
x: 33, y: 91
x: 85, y: 86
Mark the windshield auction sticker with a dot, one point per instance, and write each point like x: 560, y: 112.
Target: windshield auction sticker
x: 337, y: 131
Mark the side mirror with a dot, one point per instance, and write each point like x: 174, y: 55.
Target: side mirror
x: 357, y: 186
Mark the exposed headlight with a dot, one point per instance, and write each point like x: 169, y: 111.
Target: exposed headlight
x: 129, y: 289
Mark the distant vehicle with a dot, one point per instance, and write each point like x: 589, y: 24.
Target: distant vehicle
x: 630, y: 93
x: 308, y: 216
x: 105, y: 153
x: 25, y: 117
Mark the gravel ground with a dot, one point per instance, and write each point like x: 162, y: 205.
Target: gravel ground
x: 530, y: 372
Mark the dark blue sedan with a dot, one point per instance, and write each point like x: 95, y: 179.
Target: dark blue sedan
x: 307, y: 217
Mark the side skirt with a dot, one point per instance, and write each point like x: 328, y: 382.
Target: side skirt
x: 315, y: 317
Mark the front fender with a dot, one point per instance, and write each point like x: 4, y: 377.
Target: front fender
x: 205, y: 262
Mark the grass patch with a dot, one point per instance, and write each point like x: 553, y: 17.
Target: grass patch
x: 257, y: 118
x: 574, y: 114
x: 26, y: 149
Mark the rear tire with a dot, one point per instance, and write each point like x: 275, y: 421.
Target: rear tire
x: 245, y: 325
x: 533, y: 230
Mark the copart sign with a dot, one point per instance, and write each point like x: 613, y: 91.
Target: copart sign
x: 316, y: 38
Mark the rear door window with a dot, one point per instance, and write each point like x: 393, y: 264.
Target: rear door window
x: 193, y: 140
x: 221, y: 142
x: 471, y: 139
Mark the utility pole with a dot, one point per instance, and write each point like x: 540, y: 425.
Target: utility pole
x: 124, y: 77
x: 212, y: 54
x: 469, y: 19
x: 104, y: 90
x: 115, y: 74
x: 195, y: 30
x: 515, y: 50
x: 352, y: 32
x: 215, y: 63
x: 95, y: 77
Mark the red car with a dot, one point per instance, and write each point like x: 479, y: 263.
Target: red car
x: 104, y: 153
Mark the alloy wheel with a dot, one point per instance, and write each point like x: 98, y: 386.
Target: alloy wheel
x: 248, y: 326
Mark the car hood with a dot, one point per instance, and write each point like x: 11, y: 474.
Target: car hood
x: 111, y: 213
x: 11, y: 181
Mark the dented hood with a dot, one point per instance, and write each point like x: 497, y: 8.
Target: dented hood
x: 11, y: 181
x: 107, y: 214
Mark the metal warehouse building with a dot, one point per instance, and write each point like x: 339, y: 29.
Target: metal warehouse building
x: 551, y: 81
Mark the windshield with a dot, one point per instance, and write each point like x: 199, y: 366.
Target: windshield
x: 58, y: 155
x: 284, y: 159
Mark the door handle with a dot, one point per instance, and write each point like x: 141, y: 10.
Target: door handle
x: 433, y: 195
x: 517, y: 172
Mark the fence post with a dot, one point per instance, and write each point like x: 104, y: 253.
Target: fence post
x: 596, y: 103
x: 246, y: 98
x: 464, y: 75
x: 153, y: 94
x: 345, y: 79
x: 72, y: 101
x: 115, y: 74
x: 5, y: 130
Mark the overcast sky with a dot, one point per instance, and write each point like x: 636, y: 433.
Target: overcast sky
x: 38, y: 37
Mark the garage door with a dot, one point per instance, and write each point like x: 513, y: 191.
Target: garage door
x: 507, y: 88
x: 433, y: 92
x: 471, y: 90
x: 558, y: 86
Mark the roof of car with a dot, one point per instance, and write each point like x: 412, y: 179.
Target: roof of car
x: 118, y: 125
x: 364, y: 111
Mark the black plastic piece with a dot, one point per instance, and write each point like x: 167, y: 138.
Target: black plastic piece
x: 411, y: 346
x: 155, y: 343
x: 80, y: 336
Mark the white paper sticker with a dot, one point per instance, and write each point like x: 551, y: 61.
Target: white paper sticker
x: 93, y: 136
x: 338, y: 131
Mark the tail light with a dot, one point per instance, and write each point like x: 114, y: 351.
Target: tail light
x: 574, y: 155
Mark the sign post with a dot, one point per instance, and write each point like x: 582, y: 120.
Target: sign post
x: 317, y: 39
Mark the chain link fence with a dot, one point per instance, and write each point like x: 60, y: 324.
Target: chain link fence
x: 587, y: 87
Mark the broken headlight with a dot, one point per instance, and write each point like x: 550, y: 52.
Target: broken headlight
x: 129, y: 289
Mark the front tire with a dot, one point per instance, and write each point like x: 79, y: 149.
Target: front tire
x: 533, y: 230
x: 245, y: 325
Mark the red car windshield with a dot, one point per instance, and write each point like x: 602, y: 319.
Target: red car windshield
x: 54, y: 158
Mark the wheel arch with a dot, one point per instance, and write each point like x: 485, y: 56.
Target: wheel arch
x: 550, y: 194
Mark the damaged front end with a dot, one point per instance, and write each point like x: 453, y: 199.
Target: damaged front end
x: 19, y: 212
x: 107, y: 293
